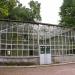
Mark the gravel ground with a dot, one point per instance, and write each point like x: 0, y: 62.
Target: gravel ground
x: 68, y: 69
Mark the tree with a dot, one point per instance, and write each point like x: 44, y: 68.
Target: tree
x: 35, y: 9
x: 6, y: 6
x: 13, y: 10
x: 3, y: 8
x: 67, y: 13
x: 26, y: 14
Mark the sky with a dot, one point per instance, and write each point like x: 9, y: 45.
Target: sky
x: 49, y: 10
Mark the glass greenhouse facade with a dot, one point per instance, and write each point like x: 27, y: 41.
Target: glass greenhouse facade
x: 28, y: 41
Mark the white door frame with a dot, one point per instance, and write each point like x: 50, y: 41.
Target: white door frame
x: 45, y: 58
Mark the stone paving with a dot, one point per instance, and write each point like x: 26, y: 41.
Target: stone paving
x: 68, y: 69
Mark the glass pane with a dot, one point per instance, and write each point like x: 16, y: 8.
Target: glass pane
x: 26, y: 36
x: 9, y: 36
x: 48, y: 49
x: 19, y: 52
x: 25, y: 52
x: 25, y: 46
x: 8, y: 52
x: 14, y: 41
x: 14, y: 46
x: 41, y: 41
x: 9, y: 41
x: 14, y: 52
x: 42, y: 49
x: 25, y: 41
x: 8, y: 46
x: 3, y: 36
x: 19, y: 46
x: 30, y: 28
x: 3, y: 46
x: 14, y: 36
x: 35, y: 46
x: 36, y: 52
x: 30, y: 46
x: 3, y: 41
x: 47, y: 41
x: 31, y: 41
x: 30, y: 52
x: 2, y: 53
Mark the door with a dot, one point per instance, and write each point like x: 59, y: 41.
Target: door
x: 42, y: 54
x: 45, y: 55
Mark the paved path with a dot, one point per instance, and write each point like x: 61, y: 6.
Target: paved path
x: 68, y: 69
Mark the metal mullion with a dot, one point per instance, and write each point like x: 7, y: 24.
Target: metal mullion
x: 22, y: 40
x: 69, y: 42
x: 58, y: 44
x: 72, y: 41
x: 6, y: 43
x: 38, y: 40
x: 54, y: 41
x: 62, y: 42
x: 28, y: 40
x: 44, y: 37
x: 66, y: 43
x: 12, y: 36
x: 0, y: 44
x: 49, y: 40
x: 17, y: 41
x: 0, y: 37
x: 33, y: 40
x: 62, y: 39
x: 11, y: 40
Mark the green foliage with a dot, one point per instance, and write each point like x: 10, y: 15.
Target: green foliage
x: 3, y: 8
x: 68, y: 13
x: 13, y: 10
x: 35, y: 9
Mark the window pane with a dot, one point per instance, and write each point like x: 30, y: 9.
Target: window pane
x: 3, y: 46
x: 30, y: 52
x: 47, y: 49
x: 14, y: 52
x: 3, y: 41
x: 25, y: 46
x: 8, y: 46
x: 42, y: 49
x: 19, y: 46
x: 30, y: 46
x: 2, y: 53
x: 14, y: 46
x: 36, y: 52
x: 25, y: 52
x: 3, y: 36
x: 9, y: 36
x: 8, y: 52
x: 35, y: 46
x: 19, y: 52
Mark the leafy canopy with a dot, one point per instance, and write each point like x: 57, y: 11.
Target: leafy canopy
x: 13, y: 10
x: 67, y: 13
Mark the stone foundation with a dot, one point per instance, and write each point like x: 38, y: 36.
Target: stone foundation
x: 28, y: 59
x: 63, y: 59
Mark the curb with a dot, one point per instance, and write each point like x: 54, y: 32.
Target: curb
x: 35, y: 66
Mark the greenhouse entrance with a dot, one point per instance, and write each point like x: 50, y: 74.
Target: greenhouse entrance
x: 45, y: 55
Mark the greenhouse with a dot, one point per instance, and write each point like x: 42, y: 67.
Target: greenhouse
x: 40, y: 43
